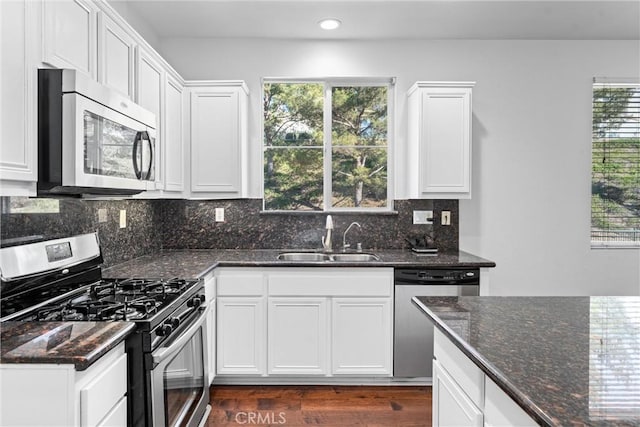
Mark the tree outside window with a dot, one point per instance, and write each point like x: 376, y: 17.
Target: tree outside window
x: 325, y: 146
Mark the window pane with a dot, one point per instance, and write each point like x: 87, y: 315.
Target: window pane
x: 26, y: 205
x: 293, y: 114
x: 359, y: 116
x: 359, y: 177
x: 293, y: 179
x: 296, y: 166
x: 615, y: 184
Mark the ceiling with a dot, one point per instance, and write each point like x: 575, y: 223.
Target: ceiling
x: 393, y: 19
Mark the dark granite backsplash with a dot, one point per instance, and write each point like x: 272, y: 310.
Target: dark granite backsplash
x: 141, y: 236
x: 190, y: 224
x: 153, y: 225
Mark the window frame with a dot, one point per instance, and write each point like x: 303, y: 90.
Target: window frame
x: 607, y: 244
x: 327, y: 168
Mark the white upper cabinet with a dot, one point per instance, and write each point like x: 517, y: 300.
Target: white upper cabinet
x: 173, y: 136
x: 115, y: 56
x: 439, y: 140
x: 18, y: 86
x: 70, y: 31
x: 149, y: 83
x: 150, y: 77
x: 218, y: 119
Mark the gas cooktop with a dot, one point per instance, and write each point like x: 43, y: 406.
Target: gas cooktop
x: 108, y: 299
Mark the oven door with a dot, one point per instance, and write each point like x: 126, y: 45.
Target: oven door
x: 179, y: 380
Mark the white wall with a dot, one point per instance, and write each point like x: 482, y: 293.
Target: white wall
x: 531, y: 139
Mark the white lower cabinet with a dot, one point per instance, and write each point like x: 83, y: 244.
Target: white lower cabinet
x: 464, y: 396
x: 241, y: 335
x: 501, y: 411
x: 58, y: 395
x: 305, y: 321
x: 451, y: 406
x: 361, y: 336
x: 297, y: 334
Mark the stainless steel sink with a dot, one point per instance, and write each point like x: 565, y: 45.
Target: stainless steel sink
x: 314, y: 256
x: 355, y: 257
x: 303, y: 256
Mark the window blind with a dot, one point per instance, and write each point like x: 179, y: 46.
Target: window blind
x: 614, y: 361
x: 615, y: 179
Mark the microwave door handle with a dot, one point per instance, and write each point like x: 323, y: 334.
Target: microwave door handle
x: 148, y: 175
x: 136, y: 168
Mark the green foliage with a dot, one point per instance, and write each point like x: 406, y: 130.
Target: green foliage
x: 293, y: 121
x: 609, y: 105
x: 615, y: 202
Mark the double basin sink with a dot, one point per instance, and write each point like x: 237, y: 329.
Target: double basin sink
x: 319, y: 257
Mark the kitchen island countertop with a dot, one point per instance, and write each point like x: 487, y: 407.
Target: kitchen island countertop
x: 567, y: 361
x: 73, y: 343
x: 196, y: 263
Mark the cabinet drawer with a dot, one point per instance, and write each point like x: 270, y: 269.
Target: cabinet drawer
x: 331, y: 282
x: 460, y: 367
x: 240, y: 282
x: 100, y: 395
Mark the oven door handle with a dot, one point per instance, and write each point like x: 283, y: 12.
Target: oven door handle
x: 163, y: 353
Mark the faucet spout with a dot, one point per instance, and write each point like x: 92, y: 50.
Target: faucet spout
x: 344, y: 236
x: 326, y: 240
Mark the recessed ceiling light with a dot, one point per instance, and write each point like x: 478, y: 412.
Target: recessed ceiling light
x: 329, y: 24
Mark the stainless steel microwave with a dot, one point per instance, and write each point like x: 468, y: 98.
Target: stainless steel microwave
x: 91, y: 139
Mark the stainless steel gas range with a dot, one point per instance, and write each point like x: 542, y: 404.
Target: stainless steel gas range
x: 60, y: 280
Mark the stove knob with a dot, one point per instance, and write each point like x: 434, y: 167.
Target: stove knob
x: 195, y: 301
x: 165, y: 330
x: 174, y: 322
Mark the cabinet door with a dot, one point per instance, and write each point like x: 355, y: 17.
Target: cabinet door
x: 172, y: 136
x: 446, y: 145
x: 362, y: 336
x: 216, y: 142
x: 297, y: 336
x: 115, y: 56
x: 451, y: 406
x: 149, y: 95
x: 18, y: 86
x: 241, y: 335
x: 70, y: 35
x: 439, y: 135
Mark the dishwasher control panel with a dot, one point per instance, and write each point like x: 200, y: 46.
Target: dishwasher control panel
x: 434, y: 276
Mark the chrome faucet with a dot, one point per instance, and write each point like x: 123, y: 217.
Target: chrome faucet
x: 344, y: 236
x: 326, y: 240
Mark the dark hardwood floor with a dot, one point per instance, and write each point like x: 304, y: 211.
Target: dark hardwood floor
x: 336, y: 406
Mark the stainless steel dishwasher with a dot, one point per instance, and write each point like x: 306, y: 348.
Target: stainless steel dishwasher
x: 413, y: 331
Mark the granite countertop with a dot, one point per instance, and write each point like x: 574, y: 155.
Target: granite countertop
x: 188, y: 264
x: 567, y: 361
x: 77, y: 343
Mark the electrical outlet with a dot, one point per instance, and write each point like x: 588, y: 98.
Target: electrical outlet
x: 423, y: 217
x: 123, y: 218
x: 102, y: 215
x: 446, y: 218
x: 219, y: 214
